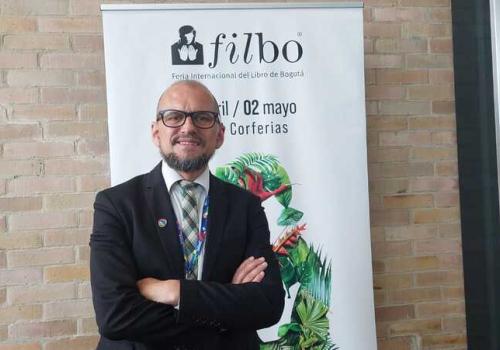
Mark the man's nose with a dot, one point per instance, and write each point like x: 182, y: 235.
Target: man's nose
x: 188, y: 124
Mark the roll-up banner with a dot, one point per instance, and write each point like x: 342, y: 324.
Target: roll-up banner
x: 290, y: 87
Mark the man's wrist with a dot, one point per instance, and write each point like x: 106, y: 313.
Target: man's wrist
x: 172, y: 288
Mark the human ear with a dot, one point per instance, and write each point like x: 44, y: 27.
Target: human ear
x: 220, y: 135
x: 155, y: 134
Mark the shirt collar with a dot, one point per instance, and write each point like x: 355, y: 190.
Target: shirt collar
x: 171, y: 176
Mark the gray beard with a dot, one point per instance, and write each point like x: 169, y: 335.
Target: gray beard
x: 186, y: 165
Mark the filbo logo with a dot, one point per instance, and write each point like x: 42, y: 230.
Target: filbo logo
x: 187, y: 50
x: 233, y: 48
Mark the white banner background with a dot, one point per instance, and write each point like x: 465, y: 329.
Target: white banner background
x: 323, y: 150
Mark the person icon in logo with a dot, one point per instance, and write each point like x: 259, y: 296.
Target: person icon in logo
x: 186, y: 50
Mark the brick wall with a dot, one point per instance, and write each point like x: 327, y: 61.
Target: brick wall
x: 413, y: 175
x: 54, y: 157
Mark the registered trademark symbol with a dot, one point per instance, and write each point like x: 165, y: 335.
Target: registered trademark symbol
x: 299, y: 33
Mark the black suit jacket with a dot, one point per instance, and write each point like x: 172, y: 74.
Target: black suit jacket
x: 127, y: 244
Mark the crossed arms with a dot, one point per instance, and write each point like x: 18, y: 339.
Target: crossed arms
x: 168, y: 291
x: 138, y: 308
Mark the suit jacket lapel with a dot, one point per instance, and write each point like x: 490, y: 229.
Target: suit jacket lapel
x: 217, y: 213
x: 158, y: 200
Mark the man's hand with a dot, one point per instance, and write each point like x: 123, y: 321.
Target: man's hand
x: 166, y: 292
x: 250, y: 270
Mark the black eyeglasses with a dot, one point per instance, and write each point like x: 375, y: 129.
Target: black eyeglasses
x: 173, y: 118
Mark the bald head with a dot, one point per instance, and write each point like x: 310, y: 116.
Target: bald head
x: 191, y: 92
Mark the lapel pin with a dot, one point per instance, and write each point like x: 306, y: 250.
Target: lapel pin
x: 162, y: 222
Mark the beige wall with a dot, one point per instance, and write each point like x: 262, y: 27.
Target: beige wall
x: 54, y: 157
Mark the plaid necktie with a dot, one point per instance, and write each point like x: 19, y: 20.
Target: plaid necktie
x: 189, y: 223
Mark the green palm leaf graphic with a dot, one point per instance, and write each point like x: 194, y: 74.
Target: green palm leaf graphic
x: 264, y: 164
x: 311, y: 313
x: 256, y: 161
x: 228, y: 173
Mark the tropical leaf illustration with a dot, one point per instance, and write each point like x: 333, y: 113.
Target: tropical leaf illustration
x: 258, y: 162
x: 228, y: 174
x: 289, y: 217
x: 262, y: 175
x: 311, y: 313
x: 278, y: 177
x: 300, y: 263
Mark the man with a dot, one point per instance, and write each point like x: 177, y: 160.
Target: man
x: 180, y: 259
